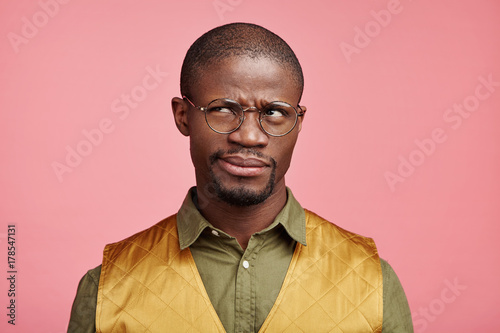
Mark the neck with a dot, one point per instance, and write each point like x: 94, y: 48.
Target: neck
x: 242, y: 222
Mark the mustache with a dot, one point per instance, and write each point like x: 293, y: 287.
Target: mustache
x: 242, y: 150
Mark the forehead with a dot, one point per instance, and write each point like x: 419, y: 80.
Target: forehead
x: 249, y: 79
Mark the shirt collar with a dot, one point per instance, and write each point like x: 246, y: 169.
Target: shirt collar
x: 191, y: 223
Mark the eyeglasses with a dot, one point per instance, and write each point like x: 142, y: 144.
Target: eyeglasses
x: 225, y: 116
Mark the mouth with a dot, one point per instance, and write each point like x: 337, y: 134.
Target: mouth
x: 242, y: 166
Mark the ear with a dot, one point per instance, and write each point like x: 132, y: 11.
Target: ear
x: 180, y: 109
x: 301, y: 118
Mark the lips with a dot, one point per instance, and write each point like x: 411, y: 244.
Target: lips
x: 241, y: 166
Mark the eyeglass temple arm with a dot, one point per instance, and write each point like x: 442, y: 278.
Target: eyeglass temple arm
x: 302, y: 111
x: 198, y: 107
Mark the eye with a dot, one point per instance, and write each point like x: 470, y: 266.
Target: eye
x: 222, y: 110
x: 275, y: 112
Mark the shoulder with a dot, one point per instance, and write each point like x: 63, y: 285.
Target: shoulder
x: 90, y: 279
x: 327, y: 230
x: 93, y: 275
x: 145, y: 239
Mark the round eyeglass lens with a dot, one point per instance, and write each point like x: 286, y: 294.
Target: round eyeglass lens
x: 278, y: 118
x: 224, y: 115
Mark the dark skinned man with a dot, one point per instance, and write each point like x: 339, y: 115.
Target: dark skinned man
x: 241, y: 255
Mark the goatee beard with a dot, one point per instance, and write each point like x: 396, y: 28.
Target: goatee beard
x: 240, y: 195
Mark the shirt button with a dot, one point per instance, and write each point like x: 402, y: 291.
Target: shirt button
x: 246, y: 264
x: 215, y: 233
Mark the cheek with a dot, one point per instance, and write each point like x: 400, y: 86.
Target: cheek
x: 198, y: 140
x: 283, y: 154
x: 203, y: 143
x: 200, y: 152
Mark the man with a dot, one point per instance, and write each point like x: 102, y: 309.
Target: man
x: 241, y: 255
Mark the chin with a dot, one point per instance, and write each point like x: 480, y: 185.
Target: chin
x: 242, y: 195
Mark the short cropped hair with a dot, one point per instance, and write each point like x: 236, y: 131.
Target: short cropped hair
x: 237, y: 39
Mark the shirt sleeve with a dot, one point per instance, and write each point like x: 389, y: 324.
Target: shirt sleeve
x: 397, y: 315
x: 82, y: 318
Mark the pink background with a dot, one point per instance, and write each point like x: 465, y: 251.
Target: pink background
x: 397, y: 83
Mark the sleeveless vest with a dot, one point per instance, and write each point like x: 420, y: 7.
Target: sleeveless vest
x: 147, y: 284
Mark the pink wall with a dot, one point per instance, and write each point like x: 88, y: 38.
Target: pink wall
x: 401, y: 140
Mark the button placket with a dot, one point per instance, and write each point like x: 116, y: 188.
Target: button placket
x: 245, y: 288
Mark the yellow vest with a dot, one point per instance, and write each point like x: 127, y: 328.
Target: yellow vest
x: 147, y: 284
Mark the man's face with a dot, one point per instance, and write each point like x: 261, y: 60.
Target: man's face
x: 247, y: 166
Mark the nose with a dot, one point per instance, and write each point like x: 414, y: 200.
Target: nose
x: 250, y: 134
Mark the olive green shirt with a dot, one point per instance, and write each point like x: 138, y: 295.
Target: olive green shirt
x: 243, y: 284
